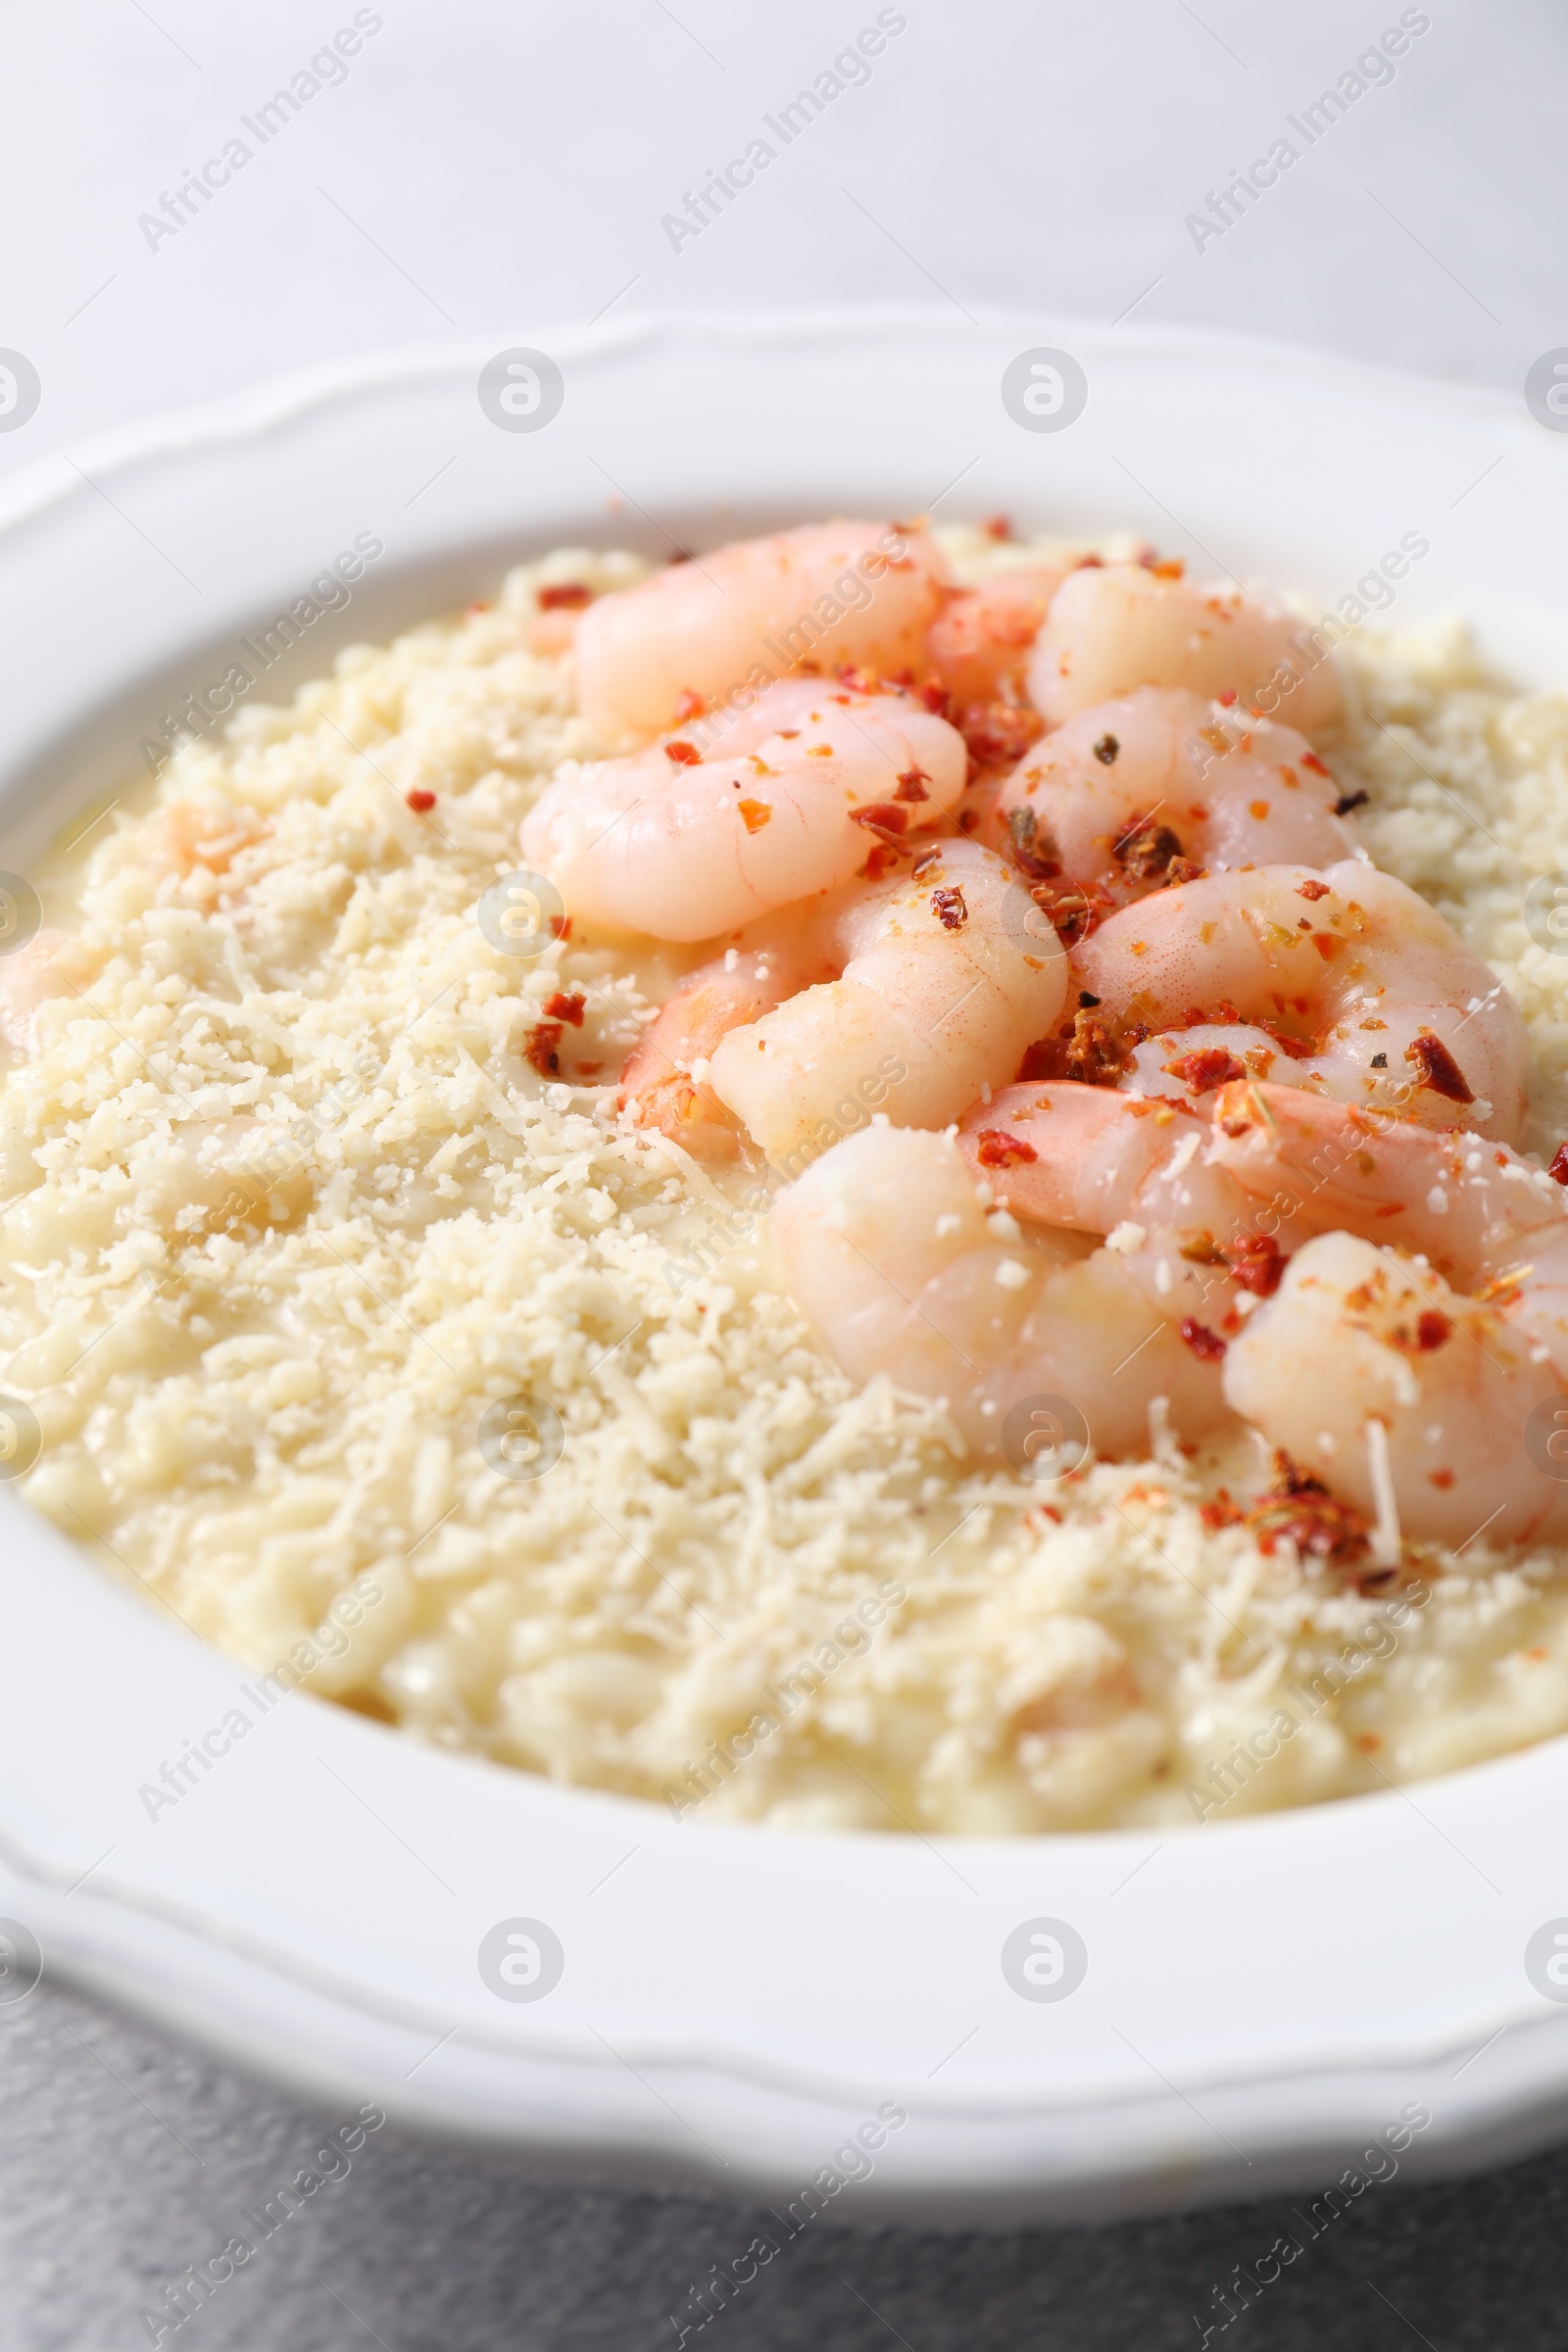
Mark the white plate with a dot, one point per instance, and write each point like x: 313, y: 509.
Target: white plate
x: 1261, y: 1996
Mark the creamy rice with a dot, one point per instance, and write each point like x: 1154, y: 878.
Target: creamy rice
x: 745, y: 1587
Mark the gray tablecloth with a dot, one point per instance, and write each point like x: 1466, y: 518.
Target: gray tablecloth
x: 123, y: 2160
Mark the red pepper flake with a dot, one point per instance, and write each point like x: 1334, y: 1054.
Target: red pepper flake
x: 756, y: 813
x: 1302, y: 1511
x: 564, y: 1007
x: 1254, y: 1260
x: 1095, y: 1056
x: 998, y: 526
x: 1172, y: 568
x: 881, y: 816
x: 683, y: 754
x: 688, y: 704
x: 1432, y: 1330
x: 420, y: 799
x: 1072, y: 909
x: 1310, y: 759
x: 1031, y: 846
x: 1559, y: 1164
x: 1221, y: 1512
x: 1328, y: 947
x: 949, y: 908
x: 1146, y: 851
x: 1440, y: 1477
x: 1313, y: 889
x: 913, y: 783
x: 999, y: 1150
x: 1438, y: 1068
x: 1294, y: 1049
x: 882, y: 861
x: 540, y: 1050
x: 1089, y: 1053
x: 999, y: 733
x: 1257, y: 808
x: 560, y: 926
x: 566, y: 596
x: 1206, y: 1068
x: 1206, y: 1344
x: 936, y: 698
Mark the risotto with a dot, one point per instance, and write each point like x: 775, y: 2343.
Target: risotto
x: 363, y: 1334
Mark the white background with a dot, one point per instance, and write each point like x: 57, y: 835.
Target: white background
x: 506, y: 169
x: 503, y: 169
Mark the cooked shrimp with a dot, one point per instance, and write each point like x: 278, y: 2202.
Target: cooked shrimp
x: 664, y: 1083
x: 1189, y: 1066
x: 1391, y: 1007
x: 699, y: 635
x: 1359, y: 1334
x: 1134, y: 794
x: 980, y: 643
x: 889, y: 1250
x: 1115, y: 626
x: 1089, y: 1160
x: 53, y: 963
x: 1483, y: 1217
x: 681, y: 846
x: 946, y: 976
x: 1376, y: 1375
x: 1085, y: 1157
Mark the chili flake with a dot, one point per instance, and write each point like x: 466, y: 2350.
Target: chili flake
x: 1255, y: 1261
x: 1145, y: 849
x: 540, y: 1050
x: 999, y: 733
x: 1302, y: 1511
x: 999, y: 1150
x: 1206, y: 1068
x: 1438, y: 1068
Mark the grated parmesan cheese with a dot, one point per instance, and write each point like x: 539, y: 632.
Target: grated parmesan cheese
x: 289, y: 1212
